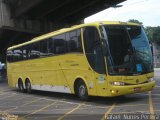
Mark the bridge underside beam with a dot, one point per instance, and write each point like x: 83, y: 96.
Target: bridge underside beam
x: 21, y: 20
x: 62, y: 10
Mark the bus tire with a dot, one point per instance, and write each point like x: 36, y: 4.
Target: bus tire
x: 28, y: 86
x: 20, y: 85
x: 81, y: 90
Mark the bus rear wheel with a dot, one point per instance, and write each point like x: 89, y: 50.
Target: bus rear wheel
x: 28, y: 86
x: 20, y: 85
x: 82, y: 91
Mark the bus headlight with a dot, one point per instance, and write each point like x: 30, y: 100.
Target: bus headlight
x: 117, y: 83
x: 150, y: 79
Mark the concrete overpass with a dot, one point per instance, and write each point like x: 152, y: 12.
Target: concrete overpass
x: 21, y: 20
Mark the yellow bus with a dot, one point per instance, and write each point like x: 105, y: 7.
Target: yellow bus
x: 96, y: 59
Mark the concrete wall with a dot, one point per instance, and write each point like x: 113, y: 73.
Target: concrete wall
x: 23, y: 23
x: 156, y: 50
x: 5, y: 15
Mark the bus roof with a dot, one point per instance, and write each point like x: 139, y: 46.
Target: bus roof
x: 63, y: 30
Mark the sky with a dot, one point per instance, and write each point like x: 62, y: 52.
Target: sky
x: 146, y: 11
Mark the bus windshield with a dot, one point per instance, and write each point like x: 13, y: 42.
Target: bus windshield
x: 128, y: 49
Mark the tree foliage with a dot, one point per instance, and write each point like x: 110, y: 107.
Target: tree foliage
x: 153, y: 33
x: 135, y: 21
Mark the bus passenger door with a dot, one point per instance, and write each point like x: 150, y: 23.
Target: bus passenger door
x: 95, y: 57
x: 100, y: 71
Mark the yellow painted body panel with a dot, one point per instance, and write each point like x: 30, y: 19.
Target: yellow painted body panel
x: 63, y: 70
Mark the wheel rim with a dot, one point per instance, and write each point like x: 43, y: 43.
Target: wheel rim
x: 21, y: 86
x: 28, y: 86
x: 82, y: 90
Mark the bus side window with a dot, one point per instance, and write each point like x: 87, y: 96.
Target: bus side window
x: 43, y: 48
x: 17, y: 54
x: 35, y: 50
x: 74, y: 43
x: 51, y: 47
x: 57, y: 45
x: 27, y: 52
x: 60, y: 46
x: 93, y: 49
x: 10, y: 56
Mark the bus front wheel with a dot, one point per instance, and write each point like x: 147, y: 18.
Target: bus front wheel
x: 82, y: 91
x: 28, y: 86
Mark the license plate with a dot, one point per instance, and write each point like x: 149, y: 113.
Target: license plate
x: 137, y: 89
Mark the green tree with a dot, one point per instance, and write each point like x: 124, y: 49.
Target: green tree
x: 156, y: 34
x: 149, y: 32
x: 135, y: 21
x: 153, y: 33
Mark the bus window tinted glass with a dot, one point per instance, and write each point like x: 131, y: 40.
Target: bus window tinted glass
x: 26, y: 52
x: 60, y: 44
x: 17, y: 54
x: 93, y: 49
x: 74, y: 41
x: 10, y: 56
x: 51, y: 47
x: 43, y: 48
x: 35, y: 51
x: 56, y: 45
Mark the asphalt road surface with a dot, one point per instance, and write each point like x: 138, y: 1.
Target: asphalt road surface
x: 57, y: 106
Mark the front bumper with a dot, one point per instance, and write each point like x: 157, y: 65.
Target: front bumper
x: 130, y: 89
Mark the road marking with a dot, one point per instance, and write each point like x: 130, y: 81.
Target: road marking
x: 131, y: 105
x: 31, y: 102
x: 39, y: 110
x: 73, y: 103
x: 66, y: 102
x: 66, y: 114
x: 8, y: 96
x: 21, y: 98
x: 151, y: 110
x: 11, y: 109
x: 3, y: 93
x: 4, y: 90
x: 108, y: 112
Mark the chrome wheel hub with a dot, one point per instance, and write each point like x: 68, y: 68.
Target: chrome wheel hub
x: 82, y: 90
